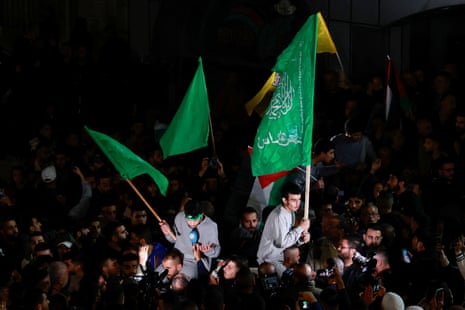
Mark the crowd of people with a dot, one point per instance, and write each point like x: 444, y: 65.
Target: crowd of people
x: 385, y: 226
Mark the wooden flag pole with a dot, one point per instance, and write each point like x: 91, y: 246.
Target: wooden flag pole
x: 211, y: 134
x: 340, y: 62
x: 307, y: 192
x: 148, y: 205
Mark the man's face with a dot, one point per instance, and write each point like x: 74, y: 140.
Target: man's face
x: 173, y: 267
x: 429, y: 145
x: 95, y: 229
x: 392, y: 182
x: 372, y: 237
x: 447, y: 171
x: 292, y: 202
x: 111, y: 267
x: 377, y: 189
x: 109, y: 213
x: 355, y: 203
x: 344, y: 250
x: 355, y: 136
x: 35, y: 240
x: 460, y: 124
x: 104, y: 185
x: 139, y: 217
x: 129, y: 268
x: 250, y: 221
x: 36, y: 225
x: 121, y: 234
x: 329, y: 156
x: 371, y: 215
x: 10, y: 229
x: 331, y: 227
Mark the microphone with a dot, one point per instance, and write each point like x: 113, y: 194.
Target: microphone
x: 162, y: 276
x: 194, y: 236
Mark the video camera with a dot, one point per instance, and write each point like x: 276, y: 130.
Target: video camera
x: 270, y: 284
x: 150, y: 284
x: 366, y: 263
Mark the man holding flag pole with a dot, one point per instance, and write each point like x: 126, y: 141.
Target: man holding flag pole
x: 271, y: 194
x: 284, y: 138
x: 196, y: 233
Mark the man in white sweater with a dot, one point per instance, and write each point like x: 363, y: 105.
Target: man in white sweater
x: 281, y: 231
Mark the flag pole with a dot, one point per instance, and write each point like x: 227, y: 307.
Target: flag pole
x: 148, y: 205
x: 340, y: 61
x: 211, y: 135
x: 307, y: 192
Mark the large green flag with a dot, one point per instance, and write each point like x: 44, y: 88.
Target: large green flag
x: 128, y: 164
x: 284, y: 136
x: 189, y: 128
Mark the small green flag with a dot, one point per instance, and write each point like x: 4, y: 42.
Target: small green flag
x: 284, y: 136
x: 189, y: 128
x: 128, y: 164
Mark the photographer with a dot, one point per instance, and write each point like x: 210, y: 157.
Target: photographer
x: 269, y: 284
x: 303, y: 279
x: 346, y: 250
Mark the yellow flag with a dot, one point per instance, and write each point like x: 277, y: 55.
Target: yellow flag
x: 260, y: 101
x: 325, y: 42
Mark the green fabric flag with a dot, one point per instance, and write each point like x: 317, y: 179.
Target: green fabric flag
x: 189, y: 128
x: 284, y: 136
x: 128, y: 164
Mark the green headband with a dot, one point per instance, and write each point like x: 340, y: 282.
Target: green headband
x: 194, y: 218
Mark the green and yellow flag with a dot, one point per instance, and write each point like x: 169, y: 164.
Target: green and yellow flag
x: 128, y: 164
x: 284, y: 136
x: 190, y: 127
x: 260, y: 101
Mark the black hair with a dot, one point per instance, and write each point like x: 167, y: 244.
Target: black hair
x: 290, y: 188
x: 248, y: 210
x: 128, y: 257
x: 193, y: 208
x: 354, y: 124
x: 323, y: 145
x: 110, y: 228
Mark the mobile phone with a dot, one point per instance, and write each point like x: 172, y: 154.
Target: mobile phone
x: 438, y: 294
x: 405, y: 256
x: 304, y: 304
x: 376, y: 286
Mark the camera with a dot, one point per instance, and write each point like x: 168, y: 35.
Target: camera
x: 149, y: 283
x: 213, y: 162
x: 360, y: 259
x: 137, y: 278
x: 219, y: 268
x: 376, y: 285
x: 270, y: 282
x: 438, y: 294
